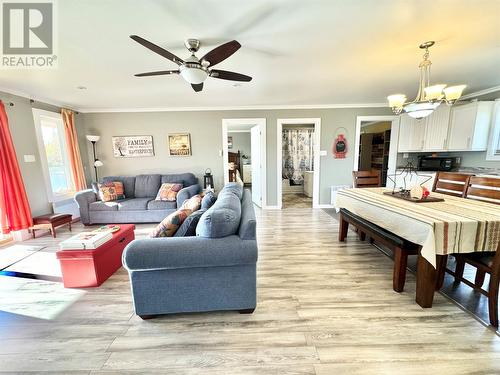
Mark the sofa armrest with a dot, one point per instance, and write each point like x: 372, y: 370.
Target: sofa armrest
x: 84, y: 198
x: 188, y: 252
x: 187, y: 193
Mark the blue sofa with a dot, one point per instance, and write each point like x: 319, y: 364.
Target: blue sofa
x: 199, y: 273
x: 139, y: 205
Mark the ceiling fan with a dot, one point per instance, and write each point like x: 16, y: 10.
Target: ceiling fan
x: 193, y: 69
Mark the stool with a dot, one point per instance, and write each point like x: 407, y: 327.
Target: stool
x: 50, y: 222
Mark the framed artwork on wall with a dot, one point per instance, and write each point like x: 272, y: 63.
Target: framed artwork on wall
x: 229, y: 142
x: 133, y: 146
x: 179, y: 144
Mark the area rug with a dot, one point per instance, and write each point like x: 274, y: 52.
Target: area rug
x: 15, y: 253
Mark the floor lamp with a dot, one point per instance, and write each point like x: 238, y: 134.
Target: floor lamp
x: 97, y: 163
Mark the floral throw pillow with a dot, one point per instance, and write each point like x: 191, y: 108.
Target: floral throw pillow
x: 111, y: 191
x: 193, y: 203
x: 168, y: 192
x: 171, y: 223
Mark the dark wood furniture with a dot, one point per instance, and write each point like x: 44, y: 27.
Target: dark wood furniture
x: 365, y: 179
x: 50, y: 222
x: 234, y: 157
x: 485, y: 262
x: 451, y: 183
x: 401, y: 247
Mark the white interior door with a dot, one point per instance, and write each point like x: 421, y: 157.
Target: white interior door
x: 255, y: 145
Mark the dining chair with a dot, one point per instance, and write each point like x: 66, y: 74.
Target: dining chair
x: 480, y: 188
x: 451, y: 183
x: 366, y: 179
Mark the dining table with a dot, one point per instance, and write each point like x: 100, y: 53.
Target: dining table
x: 452, y: 226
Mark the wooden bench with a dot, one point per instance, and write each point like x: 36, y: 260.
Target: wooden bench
x: 50, y: 222
x: 401, y: 247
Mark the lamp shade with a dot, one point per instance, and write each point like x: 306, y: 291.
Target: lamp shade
x: 453, y: 93
x: 396, y: 100
x: 434, y: 92
x: 93, y: 138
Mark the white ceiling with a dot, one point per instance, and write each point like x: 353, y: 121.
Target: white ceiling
x: 298, y: 52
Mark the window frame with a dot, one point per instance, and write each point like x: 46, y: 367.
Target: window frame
x: 38, y: 115
x: 494, y: 139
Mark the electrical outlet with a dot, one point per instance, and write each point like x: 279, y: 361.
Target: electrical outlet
x: 29, y: 158
x: 323, y: 153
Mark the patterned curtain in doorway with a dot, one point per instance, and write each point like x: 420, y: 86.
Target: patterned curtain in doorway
x: 298, y: 146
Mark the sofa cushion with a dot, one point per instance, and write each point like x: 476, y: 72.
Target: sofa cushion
x: 111, y: 191
x: 147, y: 185
x: 171, y: 223
x: 186, y: 179
x: 104, y: 206
x: 233, y: 187
x: 188, y: 227
x: 223, y: 218
x: 208, y: 200
x: 168, y: 191
x: 161, y: 205
x: 127, y: 181
x: 133, y: 204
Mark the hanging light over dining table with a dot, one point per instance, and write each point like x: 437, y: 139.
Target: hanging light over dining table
x: 428, y: 97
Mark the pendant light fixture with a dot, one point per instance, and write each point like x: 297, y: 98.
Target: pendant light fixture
x: 428, y: 97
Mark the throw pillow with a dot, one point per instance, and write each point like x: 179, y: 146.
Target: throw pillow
x: 192, y: 203
x: 111, y: 191
x: 208, y: 200
x: 168, y: 192
x: 171, y: 223
x: 188, y: 227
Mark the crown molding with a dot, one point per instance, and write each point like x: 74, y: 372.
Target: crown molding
x: 231, y: 108
x: 38, y: 99
x: 481, y: 92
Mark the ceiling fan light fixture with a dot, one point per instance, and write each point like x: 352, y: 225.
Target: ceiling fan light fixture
x: 193, y: 74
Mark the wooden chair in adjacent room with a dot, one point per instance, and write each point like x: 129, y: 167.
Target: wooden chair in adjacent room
x: 451, y: 183
x: 366, y: 179
x: 480, y: 188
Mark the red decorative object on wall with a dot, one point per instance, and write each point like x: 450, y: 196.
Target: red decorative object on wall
x: 339, y: 147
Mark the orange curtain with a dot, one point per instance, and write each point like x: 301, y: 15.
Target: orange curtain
x: 73, y: 149
x: 15, y: 212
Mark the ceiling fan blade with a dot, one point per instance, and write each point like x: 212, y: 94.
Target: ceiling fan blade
x: 197, y: 87
x: 231, y: 76
x: 160, y: 51
x: 159, y: 73
x: 222, y: 52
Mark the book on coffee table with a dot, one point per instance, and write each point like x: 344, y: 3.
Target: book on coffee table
x: 86, y: 240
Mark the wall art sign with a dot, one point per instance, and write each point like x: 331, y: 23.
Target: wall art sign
x: 133, y: 146
x: 179, y: 144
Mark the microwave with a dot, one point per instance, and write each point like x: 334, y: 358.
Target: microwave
x: 436, y: 163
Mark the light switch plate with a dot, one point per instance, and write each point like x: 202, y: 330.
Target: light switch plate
x: 29, y: 158
x: 323, y: 153
x: 221, y: 153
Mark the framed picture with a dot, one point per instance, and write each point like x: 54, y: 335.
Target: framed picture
x: 179, y: 144
x: 133, y: 146
x: 229, y: 142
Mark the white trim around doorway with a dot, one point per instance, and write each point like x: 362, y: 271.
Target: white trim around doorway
x: 244, y: 122
x: 393, y: 147
x: 279, y: 155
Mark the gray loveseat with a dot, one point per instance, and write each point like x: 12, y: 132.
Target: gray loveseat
x: 200, y: 273
x: 139, y: 205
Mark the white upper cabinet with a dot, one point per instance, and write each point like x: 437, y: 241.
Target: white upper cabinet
x: 411, y: 134
x: 469, y: 126
x: 436, y: 129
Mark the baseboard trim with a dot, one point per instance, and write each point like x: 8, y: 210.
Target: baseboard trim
x: 272, y: 208
x: 325, y: 206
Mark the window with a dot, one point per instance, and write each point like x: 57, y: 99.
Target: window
x: 494, y: 144
x: 53, y: 155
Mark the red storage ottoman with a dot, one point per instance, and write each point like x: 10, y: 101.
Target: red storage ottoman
x: 90, y: 268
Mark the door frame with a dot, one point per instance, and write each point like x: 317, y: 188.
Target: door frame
x: 393, y: 146
x: 279, y: 155
x: 235, y: 122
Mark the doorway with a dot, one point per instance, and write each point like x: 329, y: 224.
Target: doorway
x: 244, y: 155
x: 298, y: 162
x: 376, y: 145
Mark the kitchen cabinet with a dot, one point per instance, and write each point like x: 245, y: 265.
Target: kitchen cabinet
x: 436, y: 129
x: 411, y: 134
x: 469, y: 126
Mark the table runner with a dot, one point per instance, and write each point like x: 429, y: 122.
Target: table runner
x: 456, y: 225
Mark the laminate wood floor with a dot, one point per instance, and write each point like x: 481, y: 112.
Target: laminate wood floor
x: 323, y: 308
